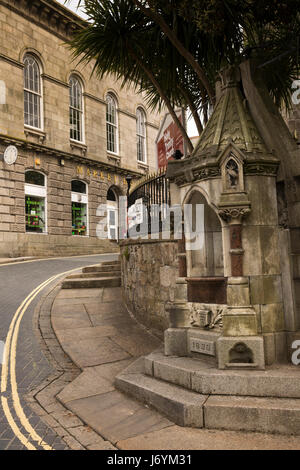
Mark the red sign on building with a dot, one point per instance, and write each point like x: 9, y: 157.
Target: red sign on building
x: 169, y: 139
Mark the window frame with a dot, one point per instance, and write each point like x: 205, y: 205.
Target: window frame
x: 112, y: 206
x: 81, y: 198
x: 81, y: 110
x: 113, y: 125
x: 39, y: 94
x: 140, y: 111
x: 36, y: 190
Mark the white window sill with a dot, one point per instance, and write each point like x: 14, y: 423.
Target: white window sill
x: 79, y: 143
x: 113, y: 154
x: 37, y: 233
x: 28, y: 130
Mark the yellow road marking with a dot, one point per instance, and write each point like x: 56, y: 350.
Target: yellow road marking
x: 60, y: 258
x: 4, y: 373
x: 13, y: 425
x: 11, y: 345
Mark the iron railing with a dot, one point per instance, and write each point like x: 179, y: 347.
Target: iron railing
x: 154, y: 192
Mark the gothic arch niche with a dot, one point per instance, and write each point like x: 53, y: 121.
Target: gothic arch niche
x: 206, y: 259
x: 232, y: 173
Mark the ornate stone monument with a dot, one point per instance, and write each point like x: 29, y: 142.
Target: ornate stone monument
x: 229, y: 304
x: 226, y: 361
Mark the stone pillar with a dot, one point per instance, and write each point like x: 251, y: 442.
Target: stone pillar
x: 175, y: 338
x: 182, y: 255
x: 239, y: 346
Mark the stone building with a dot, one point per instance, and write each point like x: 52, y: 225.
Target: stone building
x: 76, y: 138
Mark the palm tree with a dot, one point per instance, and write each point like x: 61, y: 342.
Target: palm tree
x: 121, y: 41
x: 173, y: 50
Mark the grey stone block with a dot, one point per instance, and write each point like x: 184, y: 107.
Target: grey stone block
x: 201, y: 377
x: 176, y: 342
x: 269, y: 347
x: 255, y: 344
x: 209, y: 338
x: 101, y: 269
x: 183, y: 407
x: 176, y: 375
x: 281, y: 350
x: 148, y: 365
x: 91, y: 283
x: 272, y: 415
x: 279, y: 383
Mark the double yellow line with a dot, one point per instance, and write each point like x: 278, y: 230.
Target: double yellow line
x: 9, y: 372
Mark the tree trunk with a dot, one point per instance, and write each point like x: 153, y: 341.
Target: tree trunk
x: 192, y: 107
x: 180, y: 48
x: 163, y: 97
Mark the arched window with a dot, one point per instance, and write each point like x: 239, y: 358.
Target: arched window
x: 111, y: 124
x: 79, y: 208
x: 141, y: 135
x: 32, y: 92
x: 76, y: 109
x: 35, y: 201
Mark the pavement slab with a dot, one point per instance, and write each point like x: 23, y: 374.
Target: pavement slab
x: 182, y: 438
x: 66, y: 336
x: 80, y: 293
x: 92, y: 351
x: 71, y: 320
x: 88, y: 383
x: 116, y: 417
x: 104, y: 308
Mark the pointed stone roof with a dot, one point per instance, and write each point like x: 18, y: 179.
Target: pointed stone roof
x: 230, y: 122
x: 230, y: 126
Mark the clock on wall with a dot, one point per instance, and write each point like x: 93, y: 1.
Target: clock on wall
x: 10, y: 155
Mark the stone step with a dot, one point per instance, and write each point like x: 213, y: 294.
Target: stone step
x: 93, y: 274
x: 188, y: 408
x: 99, y: 268
x: 281, y: 381
x: 266, y: 415
x: 90, y: 283
x: 183, y: 407
x: 105, y: 263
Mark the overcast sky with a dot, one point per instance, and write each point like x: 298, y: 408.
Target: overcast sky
x: 72, y: 5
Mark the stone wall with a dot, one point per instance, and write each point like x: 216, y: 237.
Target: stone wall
x: 14, y: 241
x: 149, y: 271
x: 15, y: 245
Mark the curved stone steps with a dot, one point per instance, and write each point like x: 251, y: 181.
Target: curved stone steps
x: 91, y: 283
x: 164, y: 384
x: 281, y: 381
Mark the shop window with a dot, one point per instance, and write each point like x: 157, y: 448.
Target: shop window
x: 32, y: 93
x: 79, y: 208
x: 35, y: 202
x: 111, y: 124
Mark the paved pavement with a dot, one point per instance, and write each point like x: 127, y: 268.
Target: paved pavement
x: 65, y: 381
x: 102, y: 339
x: 17, y: 281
